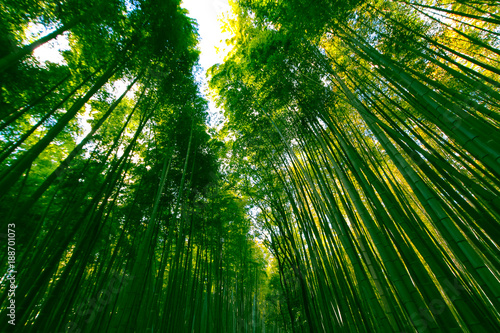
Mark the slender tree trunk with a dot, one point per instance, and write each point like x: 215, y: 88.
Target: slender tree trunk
x: 13, y: 58
x: 67, y: 161
x: 10, y: 118
x: 10, y: 177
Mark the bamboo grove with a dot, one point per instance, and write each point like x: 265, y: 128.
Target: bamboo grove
x: 352, y: 187
x: 126, y: 226
x: 367, y: 135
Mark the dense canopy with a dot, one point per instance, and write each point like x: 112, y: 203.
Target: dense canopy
x: 353, y: 185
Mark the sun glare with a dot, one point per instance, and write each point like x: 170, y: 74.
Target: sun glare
x: 208, y: 14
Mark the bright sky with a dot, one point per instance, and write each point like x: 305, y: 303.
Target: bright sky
x: 208, y: 13
x: 212, y: 44
x: 50, y: 50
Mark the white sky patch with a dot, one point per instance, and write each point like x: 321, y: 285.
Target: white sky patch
x: 213, y: 46
x: 208, y: 14
x: 118, y: 87
x: 50, y: 51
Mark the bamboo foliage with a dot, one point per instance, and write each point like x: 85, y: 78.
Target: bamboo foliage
x: 386, y: 154
x: 354, y: 185
x: 129, y: 232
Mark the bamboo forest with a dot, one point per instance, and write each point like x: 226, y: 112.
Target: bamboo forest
x: 351, y: 182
